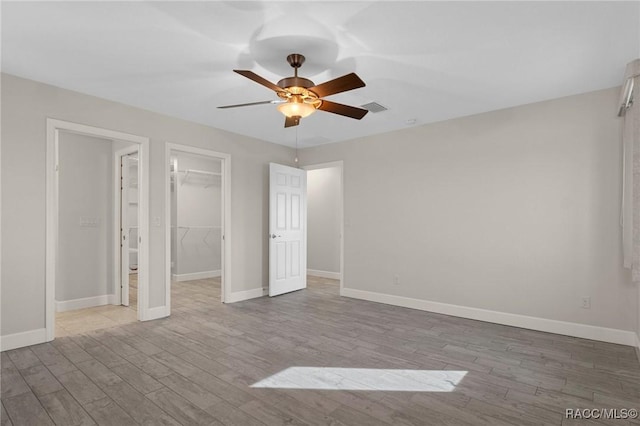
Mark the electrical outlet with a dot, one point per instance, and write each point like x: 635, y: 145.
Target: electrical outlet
x: 396, y: 280
x: 586, y: 303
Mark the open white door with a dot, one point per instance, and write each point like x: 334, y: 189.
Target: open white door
x: 288, y: 229
x: 128, y: 221
x: 124, y: 230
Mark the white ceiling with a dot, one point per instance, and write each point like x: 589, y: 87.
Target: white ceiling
x: 426, y: 61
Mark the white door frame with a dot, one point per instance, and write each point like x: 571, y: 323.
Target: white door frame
x: 225, y: 265
x: 117, y: 224
x: 54, y: 127
x: 340, y: 166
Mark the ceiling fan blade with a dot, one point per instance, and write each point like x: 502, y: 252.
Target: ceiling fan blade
x: 255, y: 77
x: 291, y: 121
x: 341, y: 109
x: 338, y: 85
x: 250, y: 104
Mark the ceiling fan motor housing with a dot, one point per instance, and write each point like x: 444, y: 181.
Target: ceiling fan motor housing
x: 293, y: 82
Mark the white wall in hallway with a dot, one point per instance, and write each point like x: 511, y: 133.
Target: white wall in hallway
x: 85, y: 242
x: 323, y: 219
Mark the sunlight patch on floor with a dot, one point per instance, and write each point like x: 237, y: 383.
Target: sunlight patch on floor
x: 364, y: 379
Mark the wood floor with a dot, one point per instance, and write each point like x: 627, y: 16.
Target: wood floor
x: 198, y: 366
x: 79, y: 321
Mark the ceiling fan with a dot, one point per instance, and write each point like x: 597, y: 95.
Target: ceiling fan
x: 301, y: 97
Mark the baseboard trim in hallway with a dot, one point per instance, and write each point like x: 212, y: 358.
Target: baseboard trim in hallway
x: 324, y: 274
x: 85, y: 302
x: 603, y: 334
x: 196, y: 275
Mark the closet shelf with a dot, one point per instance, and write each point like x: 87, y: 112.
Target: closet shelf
x: 200, y: 173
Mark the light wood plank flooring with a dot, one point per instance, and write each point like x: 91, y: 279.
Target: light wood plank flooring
x: 79, y: 321
x: 198, y: 366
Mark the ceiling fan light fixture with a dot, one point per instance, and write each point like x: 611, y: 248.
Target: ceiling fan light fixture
x: 296, y: 107
x: 301, y: 97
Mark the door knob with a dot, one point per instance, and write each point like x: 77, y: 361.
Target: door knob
x: 274, y: 236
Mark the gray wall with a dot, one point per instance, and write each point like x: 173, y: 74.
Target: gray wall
x: 323, y: 219
x: 85, y: 251
x: 25, y: 106
x: 514, y: 211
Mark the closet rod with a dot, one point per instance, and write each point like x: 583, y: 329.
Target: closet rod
x: 201, y: 172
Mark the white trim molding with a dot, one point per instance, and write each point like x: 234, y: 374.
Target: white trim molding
x: 324, y: 274
x: 196, y: 275
x: 610, y: 335
x: 20, y: 340
x: 86, y: 302
x: 239, y: 296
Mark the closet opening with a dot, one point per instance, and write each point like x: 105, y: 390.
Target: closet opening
x: 197, y: 221
x: 325, y: 227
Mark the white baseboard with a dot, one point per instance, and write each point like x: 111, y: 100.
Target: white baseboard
x: 584, y: 331
x: 85, y: 302
x: 638, y: 346
x: 239, y: 296
x: 196, y: 275
x: 20, y: 340
x: 156, y: 313
x: 324, y: 274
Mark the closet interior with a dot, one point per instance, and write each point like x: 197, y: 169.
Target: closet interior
x: 196, y: 219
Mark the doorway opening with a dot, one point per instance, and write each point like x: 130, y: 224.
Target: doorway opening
x: 325, y: 227
x: 83, y: 269
x: 84, y: 272
x: 198, y: 215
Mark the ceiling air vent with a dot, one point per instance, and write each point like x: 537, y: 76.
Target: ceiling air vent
x: 374, y: 107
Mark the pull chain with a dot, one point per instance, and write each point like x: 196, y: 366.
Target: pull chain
x: 295, y: 160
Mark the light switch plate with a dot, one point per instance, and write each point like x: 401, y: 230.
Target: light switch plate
x: 89, y: 222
